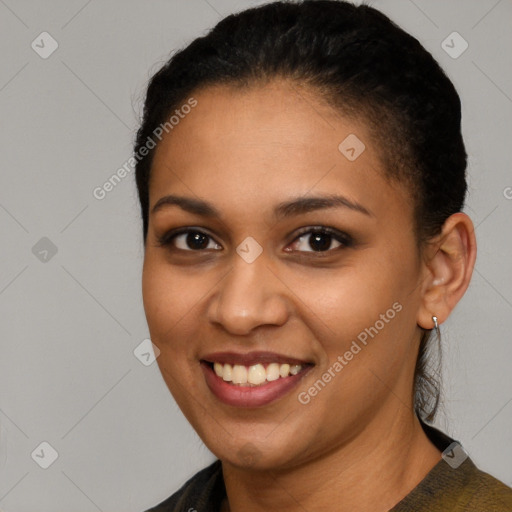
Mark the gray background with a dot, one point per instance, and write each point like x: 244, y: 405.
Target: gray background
x: 69, y: 325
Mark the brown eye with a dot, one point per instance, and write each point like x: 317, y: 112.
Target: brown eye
x: 189, y: 240
x: 321, y: 240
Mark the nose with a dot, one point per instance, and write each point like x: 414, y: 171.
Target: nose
x: 249, y: 296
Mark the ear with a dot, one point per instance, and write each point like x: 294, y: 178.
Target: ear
x: 448, y: 266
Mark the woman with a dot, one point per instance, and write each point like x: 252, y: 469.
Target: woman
x: 301, y: 173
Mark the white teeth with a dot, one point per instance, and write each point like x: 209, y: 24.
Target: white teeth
x: 218, y: 369
x: 295, y: 369
x: 256, y: 374
x: 272, y: 372
x: 239, y: 374
x: 224, y: 371
x: 227, y: 372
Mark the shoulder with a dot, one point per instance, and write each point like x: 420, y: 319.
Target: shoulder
x: 486, y: 492
x: 203, y: 492
x: 455, y: 483
x: 476, y: 490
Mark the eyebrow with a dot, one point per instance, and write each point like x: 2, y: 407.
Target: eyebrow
x: 284, y: 209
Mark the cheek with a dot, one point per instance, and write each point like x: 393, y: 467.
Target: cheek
x: 368, y: 303
x: 348, y: 299
x: 169, y: 307
x: 169, y: 298
x: 364, y: 344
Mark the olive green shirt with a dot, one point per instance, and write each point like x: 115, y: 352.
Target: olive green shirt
x: 454, y: 484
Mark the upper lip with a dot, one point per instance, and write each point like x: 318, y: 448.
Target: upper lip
x: 251, y: 358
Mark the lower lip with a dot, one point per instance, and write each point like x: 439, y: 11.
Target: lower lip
x: 250, y: 396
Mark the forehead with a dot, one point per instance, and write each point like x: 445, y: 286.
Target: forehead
x: 266, y: 142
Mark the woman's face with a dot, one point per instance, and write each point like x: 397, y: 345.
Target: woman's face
x: 255, y: 284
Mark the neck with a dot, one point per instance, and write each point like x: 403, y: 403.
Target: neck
x: 374, y: 471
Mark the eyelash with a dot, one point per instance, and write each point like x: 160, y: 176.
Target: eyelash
x: 345, y: 240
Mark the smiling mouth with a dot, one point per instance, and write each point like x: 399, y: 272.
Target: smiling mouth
x: 255, y: 375
x: 252, y: 379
